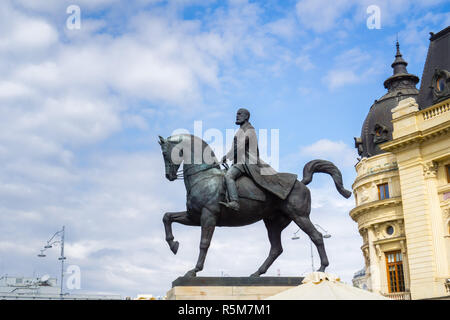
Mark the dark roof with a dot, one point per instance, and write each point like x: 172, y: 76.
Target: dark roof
x: 438, y: 58
x: 400, y: 72
x: 377, y: 127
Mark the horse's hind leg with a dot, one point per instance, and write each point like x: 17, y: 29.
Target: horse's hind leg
x: 298, y: 207
x: 180, y: 217
x: 316, y: 237
x: 274, y: 227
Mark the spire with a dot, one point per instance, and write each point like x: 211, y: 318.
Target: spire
x: 400, y: 74
x: 399, y: 65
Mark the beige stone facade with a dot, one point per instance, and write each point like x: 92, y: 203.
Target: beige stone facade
x: 224, y: 292
x: 409, y: 225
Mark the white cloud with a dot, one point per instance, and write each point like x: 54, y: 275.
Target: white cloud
x: 351, y: 67
x: 305, y: 91
x: 21, y: 32
x: 284, y: 27
x: 353, y: 57
x: 340, y: 15
x: 10, y: 89
x: 304, y: 62
x: 322, y: 16
x: 338, y: 78
x: 336, y: 151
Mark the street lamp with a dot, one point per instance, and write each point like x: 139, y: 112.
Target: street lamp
x: 59, y: 234
x: 325, y: 236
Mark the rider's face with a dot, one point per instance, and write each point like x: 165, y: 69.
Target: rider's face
x: 241, y: 116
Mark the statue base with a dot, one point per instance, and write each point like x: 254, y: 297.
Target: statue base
x: 230, y: 288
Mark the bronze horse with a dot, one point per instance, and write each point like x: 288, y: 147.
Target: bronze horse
x: 204, y: 184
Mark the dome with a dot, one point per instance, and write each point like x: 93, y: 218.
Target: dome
x: 377, y: 127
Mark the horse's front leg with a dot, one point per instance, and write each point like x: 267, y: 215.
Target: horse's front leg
x: 208, y: 222
x: 180, y: 217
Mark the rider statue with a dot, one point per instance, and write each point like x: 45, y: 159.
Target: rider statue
x: 245, y: 156
x: 244, y: 152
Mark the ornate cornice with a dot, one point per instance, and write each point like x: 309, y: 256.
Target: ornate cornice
x: 389, y: 240
x: 374, y: 205
x: 416, y: 137
x: 373, y: 173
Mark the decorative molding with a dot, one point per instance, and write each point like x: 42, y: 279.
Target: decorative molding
x: 355, y: 213
x: 381, y: 227
x: 365, y: 237
x: 440, y: 84
x: 446, y: 211
x: 430, y: 169
x: 378, y: 249
x: 416, y: 137
x: 376, y: 169
x: 390, y: 240
x: 365, y: 194
x: 366, y: 255
x: 377, y: 231
x: 403, y: 246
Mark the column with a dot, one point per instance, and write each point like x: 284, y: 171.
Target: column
x: 440, y: 255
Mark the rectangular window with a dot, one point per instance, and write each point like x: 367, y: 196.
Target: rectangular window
x: 383, y: 191
x: 394, y: 268
x: 447, y: 171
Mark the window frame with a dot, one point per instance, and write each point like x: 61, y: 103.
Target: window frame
x: 399, y: 281
x: 386, y: 195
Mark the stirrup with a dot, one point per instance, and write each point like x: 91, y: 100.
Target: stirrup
x: 234, y: 205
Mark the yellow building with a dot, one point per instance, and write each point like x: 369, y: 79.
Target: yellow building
x: 402, y: 188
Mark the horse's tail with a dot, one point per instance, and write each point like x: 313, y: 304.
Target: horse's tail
x: 325, y: 167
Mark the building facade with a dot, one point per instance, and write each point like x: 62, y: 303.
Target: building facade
x: 402, y: 188
x: 43, y: 288
x: 360, y: 279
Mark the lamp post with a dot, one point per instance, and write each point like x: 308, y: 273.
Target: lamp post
x: 49, y: 245
x: 325, y: 236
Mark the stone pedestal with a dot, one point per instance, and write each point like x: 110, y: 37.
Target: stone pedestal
x: 230, y: 288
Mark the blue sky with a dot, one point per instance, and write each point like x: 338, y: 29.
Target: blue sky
x: 82, y: 110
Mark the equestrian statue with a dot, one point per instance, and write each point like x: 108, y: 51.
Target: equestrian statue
x: 247, y: 192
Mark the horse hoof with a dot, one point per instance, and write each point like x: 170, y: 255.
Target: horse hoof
x: 190, y: 274
x: 174, y: 247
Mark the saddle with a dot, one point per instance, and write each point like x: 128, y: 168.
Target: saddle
x: 249, y: 190
x: 255, y: 187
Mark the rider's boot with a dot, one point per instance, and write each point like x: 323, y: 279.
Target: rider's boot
x: 233, y: 194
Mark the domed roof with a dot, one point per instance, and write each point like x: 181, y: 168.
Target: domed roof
x: 377, y: 127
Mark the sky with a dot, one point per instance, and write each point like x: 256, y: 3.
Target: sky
x: 82, y: 108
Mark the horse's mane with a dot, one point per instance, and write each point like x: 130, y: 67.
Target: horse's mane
x: 186, y: 137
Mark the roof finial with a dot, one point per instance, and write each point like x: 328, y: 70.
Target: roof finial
x: 399, y: 65
x: 400, y: 72
x: 397, y: 44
